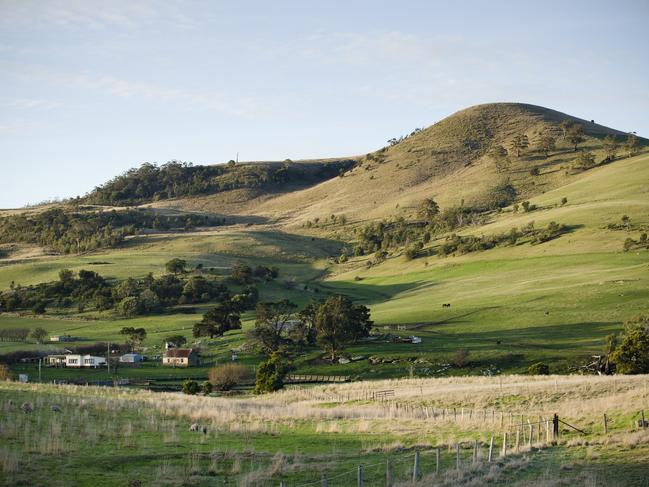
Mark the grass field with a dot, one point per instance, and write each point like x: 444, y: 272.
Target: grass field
x: 106, y: 436
x: 510, y: 306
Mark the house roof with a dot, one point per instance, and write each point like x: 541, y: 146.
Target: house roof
x: 179, y: 352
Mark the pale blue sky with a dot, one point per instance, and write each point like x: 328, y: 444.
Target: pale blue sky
x: 90, y: 88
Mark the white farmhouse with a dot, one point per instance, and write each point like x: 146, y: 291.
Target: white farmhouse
x: 74, y: 360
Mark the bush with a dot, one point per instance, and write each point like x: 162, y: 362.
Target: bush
x: 271, y: 373
x: 207, y: 387
x: 632, y: 354
x: 191, y: 387
x: 539, y: 369
x: 461, y: 358
x: 225, y: 377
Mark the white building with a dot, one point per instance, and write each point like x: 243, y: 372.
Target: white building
x: 74, y: 360
x: 131, y: 358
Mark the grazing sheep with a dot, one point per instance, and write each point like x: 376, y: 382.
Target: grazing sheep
x: 56, y: 408
x: 27, y: 407
x: 194, y: 427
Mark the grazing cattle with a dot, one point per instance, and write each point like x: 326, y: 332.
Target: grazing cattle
x: 204, y: 430
x: 547, y: 313
x: 446, y: 305
x: 56, y: 408
x: 498, y: 342
x: 27, y: 407
x: 194, y: 427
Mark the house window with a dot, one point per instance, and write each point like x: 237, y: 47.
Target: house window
x: 87, y: 361
x: 73, y: 360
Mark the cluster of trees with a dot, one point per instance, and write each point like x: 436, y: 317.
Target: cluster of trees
x: 14, y: 334
x: 72, y: 232
x: 331, y: 324
x: 242, y: 273
x: 176, y: 179
x: 86, y: 287
x: 473, y: 243
x: 129, y: 297
x: 378, y: 237
x: 397, y: 140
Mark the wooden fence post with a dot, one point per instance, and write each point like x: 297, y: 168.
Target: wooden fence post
x: 437, y: 453
x: 415, y: 471
x: 555, y: 427
x: 491, y: 448
x: 547, y: 431
x: 457, y: 456
x: 388, y: 474
x: 644, y: 424
x: 531, y: 436
x: 360, y: 477
x: 475, y: 451
x: 282, y: 484
x: 323, y: 481
x: 518, y: 439
x: 605, y: 424
x: 504, y: 452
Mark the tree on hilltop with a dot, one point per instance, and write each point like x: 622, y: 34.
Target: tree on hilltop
x: 611, y: 146
x: 632, y: 144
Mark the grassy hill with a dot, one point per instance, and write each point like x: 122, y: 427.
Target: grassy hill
x: 511, y: 306
x: 447, y: 161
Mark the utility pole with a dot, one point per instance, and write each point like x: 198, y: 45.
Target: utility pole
x: 108, y: 357
x: 40, y: 361
x: 237, y: 158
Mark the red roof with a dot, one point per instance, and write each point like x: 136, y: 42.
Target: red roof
x: 179, y: 352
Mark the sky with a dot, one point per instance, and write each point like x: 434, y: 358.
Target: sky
x: 89, y: 89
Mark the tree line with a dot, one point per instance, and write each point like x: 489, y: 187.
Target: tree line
x: 68, y: 231
x: 175, y: 179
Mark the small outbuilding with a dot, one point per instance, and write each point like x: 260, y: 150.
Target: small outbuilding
x: 180, y: 357
x: 131, y: 358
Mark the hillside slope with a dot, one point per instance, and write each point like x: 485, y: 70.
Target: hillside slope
x: 447, y: 161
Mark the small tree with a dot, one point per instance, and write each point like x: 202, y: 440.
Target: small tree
x: 339, y: 322
x: 499, y: 155
x: 223, y: 317
x: 539, y: 368
x: 631, y: 356
x: 241, y: 273
x: 191, y: 387
x: 546, y: 143
x: 611, y: 146
x: 177, y: 340
x: 271, y: 373
x: 575, y: 135
x: 461, y: 358
x: 585, y: 160
x: 134, y: 336
x: 207, y: 387
x: 127, y: 307
x: 632, y: 144
x: 564, y: 200
x: 40, y: 307
x: 428, y: 209
x: 176, y: 266
x: 39, y: 334
x: 520, y: 143
x: 271, y: 324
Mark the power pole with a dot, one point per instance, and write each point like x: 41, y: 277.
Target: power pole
x: 237, y: 158
x: 40, y: 361
x: 108, y: 357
